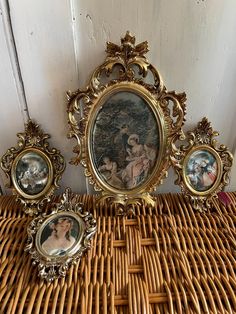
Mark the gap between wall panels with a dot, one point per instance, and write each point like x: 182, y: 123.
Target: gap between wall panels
x: 75, y: 27
x: 10, y: 50
x: 10, y: 40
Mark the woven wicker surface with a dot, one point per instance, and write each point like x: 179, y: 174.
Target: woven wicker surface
x: 165, y: 260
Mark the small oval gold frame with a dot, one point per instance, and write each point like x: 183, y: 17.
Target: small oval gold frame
x: 54, y: 266
x: 33, y: 139
x: 219, y: 170
x: 202, y: 138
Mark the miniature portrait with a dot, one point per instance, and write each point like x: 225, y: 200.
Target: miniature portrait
x: 125, y: 140
x: 201, y: 170
x: 58, y: 240
x: 59, y: 235
x: 32, y: 173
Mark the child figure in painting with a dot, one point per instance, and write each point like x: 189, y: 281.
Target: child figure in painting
x: 60, y: 239
x: 109, y: 170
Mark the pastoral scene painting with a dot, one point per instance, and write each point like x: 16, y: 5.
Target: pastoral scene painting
x: 201, y: 170
x: 32, y: 173
x: 59, y: 235
x: 125, y: 141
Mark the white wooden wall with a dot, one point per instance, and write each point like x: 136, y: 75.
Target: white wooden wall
x: 48, y: 47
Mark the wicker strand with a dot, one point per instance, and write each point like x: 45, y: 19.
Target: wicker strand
x: 166, y: 259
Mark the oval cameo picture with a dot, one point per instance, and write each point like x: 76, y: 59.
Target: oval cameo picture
x: 125, y: 140
x: 59, y: 235
x: 201, y: 170
x: 32, y: 172
x: 58, y: 240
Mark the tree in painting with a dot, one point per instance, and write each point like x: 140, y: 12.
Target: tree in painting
x: 125, y: 140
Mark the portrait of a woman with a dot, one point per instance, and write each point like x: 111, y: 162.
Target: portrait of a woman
x: 60, y: 238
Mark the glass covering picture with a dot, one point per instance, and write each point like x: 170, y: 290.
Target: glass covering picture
x: 59, y: 235
x: 201, y: 170
x: 32, y: 173
x: 125, y: 140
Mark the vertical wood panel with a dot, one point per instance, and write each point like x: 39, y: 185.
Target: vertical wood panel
x: 11, y: 102
x: 45, y: 45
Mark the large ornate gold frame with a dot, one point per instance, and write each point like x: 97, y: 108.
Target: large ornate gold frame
x: 125, y: 69
x: 53, y: 266
x: 33, y: 140
x: 202, y: 138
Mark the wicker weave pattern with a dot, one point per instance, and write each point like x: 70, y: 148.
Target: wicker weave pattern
x: 165, y: 260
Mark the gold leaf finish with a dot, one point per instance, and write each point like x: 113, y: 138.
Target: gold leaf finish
x: 202, y: 138
x: 54, y: 266
x: 125, y: 68
x: 33, y: 140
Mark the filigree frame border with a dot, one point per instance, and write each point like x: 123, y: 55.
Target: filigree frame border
x: 81, y: 106
x: 202, y: 138
x: 33, y: 139
x: 53, y: 267
x: 160, y: 119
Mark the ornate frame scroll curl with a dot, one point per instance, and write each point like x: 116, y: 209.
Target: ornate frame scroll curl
x: 53, y: 262
x: 202, y: 165
x: 32, y: 185
x: 125, y: 76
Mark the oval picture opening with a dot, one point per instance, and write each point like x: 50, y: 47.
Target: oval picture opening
x: 59, y: 236
x: 201, y: 170
x: 125, y: 141
x: 32, y: 173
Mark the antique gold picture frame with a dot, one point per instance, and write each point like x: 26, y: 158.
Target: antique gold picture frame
x: 33, y: 168
x: 58, y: 240
x: 202, y: 165
x: 125, y: 122
x: 25, y: 181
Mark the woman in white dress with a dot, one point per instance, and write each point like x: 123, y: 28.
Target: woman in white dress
x: 60, y: 239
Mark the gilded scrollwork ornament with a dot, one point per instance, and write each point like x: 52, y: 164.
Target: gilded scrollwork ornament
x: 33, y: 168
x: 202, y: 165
x: 59, y: 239
x: 125, y: 123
